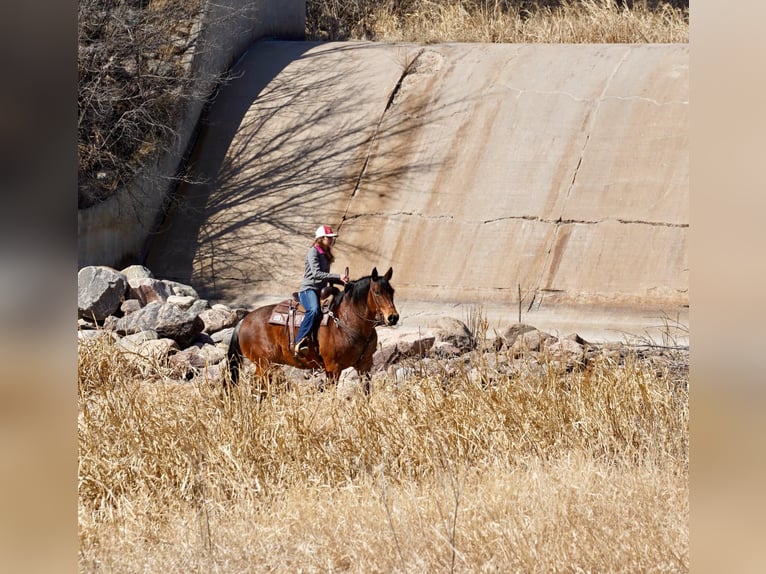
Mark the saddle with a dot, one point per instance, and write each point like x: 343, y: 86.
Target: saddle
x: 290, y: 313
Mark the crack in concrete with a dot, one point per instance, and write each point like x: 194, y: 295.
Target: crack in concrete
x: 655, y: 223
x: 585, y: 221
x: 408, y: 69
x: 518, y: 217
x: 520, y: 92
x: 591, y: 122
x: 649, y: 100
x: 400, y: 213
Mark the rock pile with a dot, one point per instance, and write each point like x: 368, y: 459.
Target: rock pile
x: 167, y: 323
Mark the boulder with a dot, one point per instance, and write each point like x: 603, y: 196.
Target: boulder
x: 217, y: 319
x: 130, y: 306
x: 223, y: 336
x: 414, y: 345
x: 91, y: 337
x: 566, y: 354
x: 446, y: 350
x: 183, y: 301
x: 148, y: 290
x: 531, y: 341
x: 147, y: 345
x: 510, y: 334
x: 100, y: 291
x: 194, y: 360
x: 169, y: 320
x: 137, y: 272
x: 176, y: 288
x: 386, y: 355
x: 453, y: 331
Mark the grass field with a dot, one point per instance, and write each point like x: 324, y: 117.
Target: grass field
x: 564, y: 21
x: 538, y: 470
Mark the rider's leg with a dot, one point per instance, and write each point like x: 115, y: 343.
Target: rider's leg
x: 310, y: 301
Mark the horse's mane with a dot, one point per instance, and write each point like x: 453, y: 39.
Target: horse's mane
x: 357, y: 290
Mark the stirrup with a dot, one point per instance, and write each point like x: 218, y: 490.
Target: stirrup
x: 302, y: 347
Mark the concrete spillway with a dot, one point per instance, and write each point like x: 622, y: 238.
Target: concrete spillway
x: 546, y: 180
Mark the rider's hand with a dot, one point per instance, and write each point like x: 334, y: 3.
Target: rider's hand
x: 345, y: 279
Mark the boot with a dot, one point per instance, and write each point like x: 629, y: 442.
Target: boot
x: 302, y: 347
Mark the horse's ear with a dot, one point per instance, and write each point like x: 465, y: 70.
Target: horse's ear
x: 374, y: 274
x: 388, y: 274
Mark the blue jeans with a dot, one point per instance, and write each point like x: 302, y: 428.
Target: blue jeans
x: 310, y: 301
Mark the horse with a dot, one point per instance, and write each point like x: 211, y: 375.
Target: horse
x: 348, y: 339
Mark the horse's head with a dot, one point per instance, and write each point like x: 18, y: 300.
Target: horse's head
x: 380, y: 298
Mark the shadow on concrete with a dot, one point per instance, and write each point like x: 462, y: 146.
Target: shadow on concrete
x: 280, y: 150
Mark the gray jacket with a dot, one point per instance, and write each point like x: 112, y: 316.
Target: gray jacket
x: 317, y: 273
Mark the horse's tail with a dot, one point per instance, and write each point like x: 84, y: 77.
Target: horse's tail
x: 234, y: 358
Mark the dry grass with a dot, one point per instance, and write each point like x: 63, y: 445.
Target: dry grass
x: 535, y: 472
x: 568, y: 21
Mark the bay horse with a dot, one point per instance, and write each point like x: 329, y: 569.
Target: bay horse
x: 348, y: 339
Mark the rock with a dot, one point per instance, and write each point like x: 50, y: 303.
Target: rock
x: 530, y: 340
x: 203, y: 339
x: 190, y: 357
x: 193, y: 360
x: 213, y: 373
x: 386, y: 355
x: 403, y: 374
x: 175, y: 328
x: 217, y: 319
x: 176, y: 288
x: 86, y: 324
x: 95, y: 336
x: 100, y: 291
x: 445, y: 350
x: 183, y: 301
x: 223, y: 336
x: 147, y: 345
x: 415, y: 345
x: 577, y: 339
x: 169, y: 320
x: 130, y: 306
x: 567, y: 347
x: 510, y: 335
x: 110, y: 323
x: 566, y: 354
x: 137, y: 272
x: 453, y: 331
x: 148, y: 290
x: 131, y: 341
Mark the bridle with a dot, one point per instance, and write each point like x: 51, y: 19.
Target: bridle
x: 378, y: 320
x: 375, y: 322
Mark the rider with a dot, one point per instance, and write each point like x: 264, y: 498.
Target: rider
x: 316, y: 276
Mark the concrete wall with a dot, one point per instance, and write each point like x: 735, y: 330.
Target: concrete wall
x: 115, y: 231
x: 480, y: 172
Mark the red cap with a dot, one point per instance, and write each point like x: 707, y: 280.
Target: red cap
x: 324, y: 231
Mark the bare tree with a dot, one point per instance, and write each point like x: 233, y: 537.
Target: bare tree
x: 134, y: 79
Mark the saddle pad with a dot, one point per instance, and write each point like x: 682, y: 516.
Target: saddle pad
x: 281, y: 312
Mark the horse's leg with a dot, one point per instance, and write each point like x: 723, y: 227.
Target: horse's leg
x: 331, y: 377
x: 234, y: 360
x: 366, y: 378
x: 364, y: 364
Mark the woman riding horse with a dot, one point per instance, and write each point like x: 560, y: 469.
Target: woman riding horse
x: 347, y: 340
x: 316, y: 277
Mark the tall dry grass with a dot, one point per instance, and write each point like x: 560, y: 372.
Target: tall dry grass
x: 519, y: 21
x: 540, y: 471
